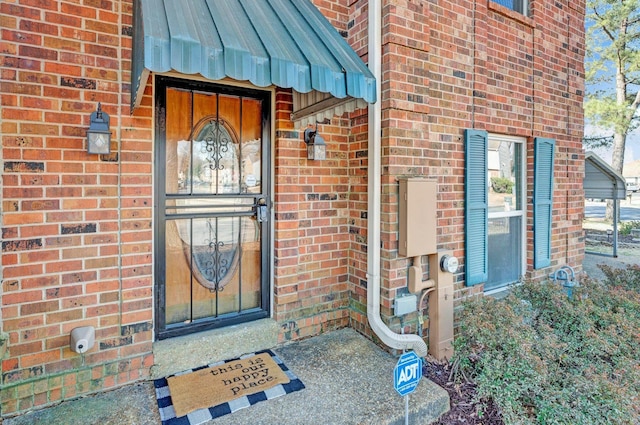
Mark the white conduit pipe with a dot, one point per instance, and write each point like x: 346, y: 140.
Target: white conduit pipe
x: 390, y: 338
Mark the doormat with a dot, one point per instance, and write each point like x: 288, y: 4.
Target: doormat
x: 207, y: 392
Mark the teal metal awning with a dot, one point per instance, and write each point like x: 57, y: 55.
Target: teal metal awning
x: 286, y: 43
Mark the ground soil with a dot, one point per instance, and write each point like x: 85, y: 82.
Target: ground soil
x: 466, y: 408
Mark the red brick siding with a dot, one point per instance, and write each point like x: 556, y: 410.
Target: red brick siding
x: 447, y: 67
x: 313, y: 248
x: 526, y: 79
x: 357, y: 154
x: 76, y: 227
x: 311, y: 235
x: 406, y: 148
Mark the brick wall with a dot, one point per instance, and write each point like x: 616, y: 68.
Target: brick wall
x: 448, y: 66
x: 406, y: 140
x: 76, y: 228
x: 434, y: 86
x: 320, y: 210
x: 496, y: 70
x: 311, y: 233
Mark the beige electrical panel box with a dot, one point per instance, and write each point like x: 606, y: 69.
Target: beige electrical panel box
x: 417, y: 217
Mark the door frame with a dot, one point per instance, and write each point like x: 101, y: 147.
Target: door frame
x: 162, y: 81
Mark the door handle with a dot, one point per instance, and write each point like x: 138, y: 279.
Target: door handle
x: 262, y: 213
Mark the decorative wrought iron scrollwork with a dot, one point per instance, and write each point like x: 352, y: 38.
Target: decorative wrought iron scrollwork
x: 217, y: 266
x: 217, y: 137
x: 215, y: 261
x: 216, y: 143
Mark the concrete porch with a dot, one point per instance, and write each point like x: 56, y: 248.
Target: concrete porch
x: 348, y: 380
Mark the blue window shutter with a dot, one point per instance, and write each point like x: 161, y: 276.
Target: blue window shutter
x: 542, y: 201
x: 476, y: 206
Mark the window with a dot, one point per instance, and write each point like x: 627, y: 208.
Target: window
x: 495, y: 207
x: 520, y: 6
x: 506, y: 220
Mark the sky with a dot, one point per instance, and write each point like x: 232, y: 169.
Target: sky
x: 632, y: 151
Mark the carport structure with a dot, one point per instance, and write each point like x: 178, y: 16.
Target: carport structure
x: 601, y: 181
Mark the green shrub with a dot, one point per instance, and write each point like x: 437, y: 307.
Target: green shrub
x: 501, y: 184
x: 627, y: 226
x: 548, y: 359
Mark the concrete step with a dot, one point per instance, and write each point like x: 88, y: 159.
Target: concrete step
x: 190, y: 351
x: 347, y: 378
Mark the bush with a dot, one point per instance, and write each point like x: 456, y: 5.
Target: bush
x: 548, y: 359
x: 627, y: 226
x: 501, y: 184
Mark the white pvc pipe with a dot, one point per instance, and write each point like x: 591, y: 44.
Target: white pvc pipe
x: 386, y: 335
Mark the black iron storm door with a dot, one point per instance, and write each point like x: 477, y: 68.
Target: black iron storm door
x: 212, y: 211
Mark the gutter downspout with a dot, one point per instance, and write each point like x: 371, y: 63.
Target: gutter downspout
x: 390, y: 338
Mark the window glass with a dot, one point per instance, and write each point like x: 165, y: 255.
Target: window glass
x: 505, y: 176
x: 519, y: 6
x: 504, y: 251
x: 506, y: 211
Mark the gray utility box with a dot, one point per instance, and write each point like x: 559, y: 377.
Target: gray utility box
x: 417, y: 217
x: 405, y: 304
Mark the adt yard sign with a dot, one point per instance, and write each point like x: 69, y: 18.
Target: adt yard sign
x: 407, y: 373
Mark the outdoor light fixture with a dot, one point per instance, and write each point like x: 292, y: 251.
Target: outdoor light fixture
x: 98, y: 135
x: 316, y: 147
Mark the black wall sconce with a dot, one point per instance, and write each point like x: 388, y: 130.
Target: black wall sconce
x: 99, y: 135
x: 316, y: 147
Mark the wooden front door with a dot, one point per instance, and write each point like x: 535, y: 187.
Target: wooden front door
x: 212, y: 211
